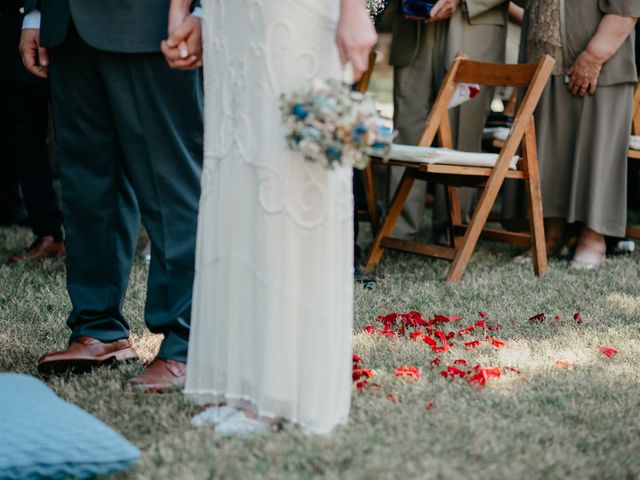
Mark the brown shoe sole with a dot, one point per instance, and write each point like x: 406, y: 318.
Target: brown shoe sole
x: 85, y: 365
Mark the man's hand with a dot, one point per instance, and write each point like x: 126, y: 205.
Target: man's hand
x: 183, y: 48
x: 35, y: 58
x: 442, y: 10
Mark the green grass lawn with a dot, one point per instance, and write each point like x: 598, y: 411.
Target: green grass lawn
x: 549, y: 422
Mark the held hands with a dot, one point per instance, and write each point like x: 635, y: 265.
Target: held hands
x: 355, y: 36
x: 183, y: 48
x: 584, y: 73
x: 35, y: 58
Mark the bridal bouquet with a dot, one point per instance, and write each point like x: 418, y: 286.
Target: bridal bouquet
x: 332, y: 125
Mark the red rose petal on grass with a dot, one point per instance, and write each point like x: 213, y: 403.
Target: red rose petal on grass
x: 442, y: 348
x: 435, y: 362
x: 441, y: 335
x: 482, y: 314
x: 480, y: 323
x: 387, y: 331
x: 369, y: 329
x: 357, y: 359
x: 429, y: 406
x: 472, y: 345
x: 609, y: 352
x: 359, y: 373
x: 577, y: 317
x: 539, y: 317
x: 415, y: 335
x: 362, y: 385
x: 564, y: 363
x: 495, y: 327
x: 441, y: 318
x: 409, y: 374
x: 444, y: 374
x: 391, y: 398
x: 453, y: 318
x: 450, y: 335
x: 466, y: 331
x: 484, y: 374
x: 512, y: 370
x: 388, y: 320
x: 430, y: 341
x: 455, y: 372
x: 496, y: 343
x: 460, y: 361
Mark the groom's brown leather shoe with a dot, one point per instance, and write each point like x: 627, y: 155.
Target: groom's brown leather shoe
x: 85, y: 353
x: 43, y: 247
x: 161, y: 376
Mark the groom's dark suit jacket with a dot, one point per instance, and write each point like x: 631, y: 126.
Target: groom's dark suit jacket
x: 125, y: 26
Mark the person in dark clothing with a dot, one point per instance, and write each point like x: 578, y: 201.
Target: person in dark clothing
x: 27, y: 99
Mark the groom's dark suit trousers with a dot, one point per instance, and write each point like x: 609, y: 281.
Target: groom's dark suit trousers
x: 129, y: 133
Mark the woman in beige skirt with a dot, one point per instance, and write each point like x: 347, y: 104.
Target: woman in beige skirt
x: 583, y: 121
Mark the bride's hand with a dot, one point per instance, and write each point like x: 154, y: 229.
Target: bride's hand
x: 355, y: 35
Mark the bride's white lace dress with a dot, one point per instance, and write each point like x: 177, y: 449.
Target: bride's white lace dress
x: 273, y: 298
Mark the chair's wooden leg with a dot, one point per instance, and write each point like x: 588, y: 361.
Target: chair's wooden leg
x: 478, y: 221
x: 370, y: 195
x: 455, y: 216
x: 534, y: 200
x: 390, y: 219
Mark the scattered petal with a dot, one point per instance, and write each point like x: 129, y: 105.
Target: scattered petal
x: 495, y: 327
x: 359, y: 373
x: 483, y: 375
x: 435, y: 362
x: 357, y: 359
x: 455, y: 372
x: 564, y: 363
x: 577, y: 317
x: 410, y: 374
x: 539, y: 317
x: 472, y: 345
x: 429, y: 406
x: 369, y: 329
x: 460, y: 361
x: 482, y: 314
x: 391, y: 398
x: 609, y: 352
x: 480, y: 323
x: 496, y: 343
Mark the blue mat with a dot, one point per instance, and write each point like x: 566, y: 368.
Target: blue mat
x: 42, y: 436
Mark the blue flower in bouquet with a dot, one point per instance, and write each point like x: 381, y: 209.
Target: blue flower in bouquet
x: 300, y: 111
x: 334, y: 151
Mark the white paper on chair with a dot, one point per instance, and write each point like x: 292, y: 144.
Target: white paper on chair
x: 634, y: 144
x: 444, y: 156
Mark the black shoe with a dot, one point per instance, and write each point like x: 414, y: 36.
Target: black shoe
x: 367, y: 281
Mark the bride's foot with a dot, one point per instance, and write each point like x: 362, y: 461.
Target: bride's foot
x: 242, y: 424
x: 591, y: 251
x: 213, y: 416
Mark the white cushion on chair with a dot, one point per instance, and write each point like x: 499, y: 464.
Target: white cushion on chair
x: 443, y: 156
x: 496, y: 133
x: 634, y: 144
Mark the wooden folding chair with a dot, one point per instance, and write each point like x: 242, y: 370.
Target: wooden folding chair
x: 465, y: 237
x: 633, y: 231
x: 371, y: 213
